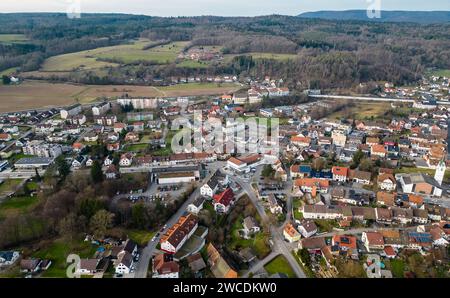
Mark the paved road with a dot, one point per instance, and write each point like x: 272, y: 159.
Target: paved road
x: 150, y: 249
x: 368, y: 98
x: 280, y: 245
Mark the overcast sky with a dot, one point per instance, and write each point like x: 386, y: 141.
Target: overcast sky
x: 215, y: 7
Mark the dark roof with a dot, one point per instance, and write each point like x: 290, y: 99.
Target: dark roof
x: 127, y: 259
x: 130, y: 245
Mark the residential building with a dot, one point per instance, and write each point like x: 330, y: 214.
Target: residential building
x: 307, y: 228
x: 165, y: 267
x: 290, y: 233
x: 179, y: 233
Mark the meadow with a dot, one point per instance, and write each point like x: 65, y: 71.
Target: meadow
x: 114, y: 56
x: 13, y: 38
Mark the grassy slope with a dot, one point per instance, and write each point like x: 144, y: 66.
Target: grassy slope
x: 13, y: 38
x: 125, y: 54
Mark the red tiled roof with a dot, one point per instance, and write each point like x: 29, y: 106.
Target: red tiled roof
x: 225, y: 197
x: 341, y: 171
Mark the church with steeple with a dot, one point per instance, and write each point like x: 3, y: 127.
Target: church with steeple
x: 440, y: 172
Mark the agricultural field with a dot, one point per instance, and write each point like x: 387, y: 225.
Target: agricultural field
x: 163, y: 54
x: 362, y: 111
x: 36, y: 94
x: 120, y: 54
x: 13, y: 38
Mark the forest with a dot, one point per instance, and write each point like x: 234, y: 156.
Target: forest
x: 322, y: 53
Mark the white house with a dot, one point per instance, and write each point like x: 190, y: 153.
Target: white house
x: 210, y: 187
x: 87, y: 267
x: 196, y: 206
x: 251, y: 226
x: 307, y: 228
x: 340, y: 174
x: 274, y: 207
x: 125, y: 263
x: 126, y: 160
x: 108, y: 161
x: 387, y: 182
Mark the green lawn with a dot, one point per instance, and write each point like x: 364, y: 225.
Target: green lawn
x: 9, y: 186
x: 296, y: 204
x: 258, y: 243
x: 140, y: 237
x: 136, y: 147
x: 17, y: 205
x: 325, y: 225
x: 163, y: 54
x: 397, y: 267
x: 58, y: 251
x: 441, y: 73
x: 32, y: 185
x: 168, y: 150
x: 280, y: 265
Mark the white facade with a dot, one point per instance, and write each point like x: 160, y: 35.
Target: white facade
x: 206, y: 190
x: 101, y: 109
x: 125, y: 162
x: 139, y: 103
x: 174, y: 180
x: 65, y: 113
x: 440, y: 172
x: 388, y: 185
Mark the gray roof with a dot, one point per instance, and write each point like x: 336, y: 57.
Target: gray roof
x: 250, y: 222
x: 34, y: 160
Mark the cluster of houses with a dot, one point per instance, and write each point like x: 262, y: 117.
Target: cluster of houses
x: 122, y: 255
x: 427, y: 93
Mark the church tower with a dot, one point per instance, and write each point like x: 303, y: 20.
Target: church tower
x: 440, y: 172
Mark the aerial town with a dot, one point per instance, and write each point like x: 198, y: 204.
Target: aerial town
x: 349, y: 189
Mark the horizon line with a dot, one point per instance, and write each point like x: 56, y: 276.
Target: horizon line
x: 213, y: 15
